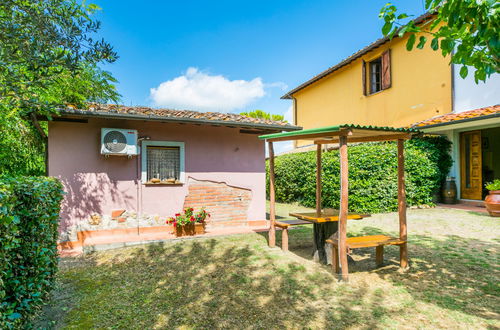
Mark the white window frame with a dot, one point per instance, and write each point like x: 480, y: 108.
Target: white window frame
x: 144, y: 158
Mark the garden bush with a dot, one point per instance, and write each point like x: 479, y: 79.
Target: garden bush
x: 29, y: 213
x: 372, y: 175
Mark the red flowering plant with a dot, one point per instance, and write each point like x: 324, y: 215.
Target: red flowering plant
x: 188, y: 216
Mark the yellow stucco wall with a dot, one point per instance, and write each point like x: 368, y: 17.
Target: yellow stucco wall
x: 421, y: 88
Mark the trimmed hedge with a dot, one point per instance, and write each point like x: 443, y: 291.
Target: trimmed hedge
x: 29, y: 213
x: 372, y: 175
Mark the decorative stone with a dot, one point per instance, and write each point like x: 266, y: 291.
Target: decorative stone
x: 95, y: 219
x: 116, y: 213
x: 130, y: 214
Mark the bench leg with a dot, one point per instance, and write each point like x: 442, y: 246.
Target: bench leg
x: 379, y: 255
x: 284, y: 239
x: 403, y: 256
x: 335, y: 259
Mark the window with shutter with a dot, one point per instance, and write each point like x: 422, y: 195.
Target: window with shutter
x: 386, y: 69
x: 379, y: 73
x: 363, y: 74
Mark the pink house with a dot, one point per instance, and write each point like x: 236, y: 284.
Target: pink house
x: 126, y: 169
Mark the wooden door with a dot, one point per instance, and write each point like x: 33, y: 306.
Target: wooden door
x: 471, y: 178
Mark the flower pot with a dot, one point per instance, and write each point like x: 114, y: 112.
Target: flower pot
x: 199, y: 228
x: 492, y: 202
x: 190, y: 229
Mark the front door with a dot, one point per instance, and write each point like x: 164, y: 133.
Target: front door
x: 471, y: 179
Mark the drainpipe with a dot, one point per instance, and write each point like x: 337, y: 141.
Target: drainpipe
x: 138, y: 180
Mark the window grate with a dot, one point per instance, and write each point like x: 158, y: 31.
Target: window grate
x: 163, y: 163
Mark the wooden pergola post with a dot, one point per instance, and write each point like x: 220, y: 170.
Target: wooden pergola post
x: 344, y: 195
x: 403, y: 248
x: 318, y: 180
x: 272, y: 211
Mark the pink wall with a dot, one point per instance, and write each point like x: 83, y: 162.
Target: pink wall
x: 96, y: 184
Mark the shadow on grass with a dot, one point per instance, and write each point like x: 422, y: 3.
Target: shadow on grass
x: 478, y: 213
x: 205, y: 285
x: 278, y: 216
x: 454, y: 272
x: 237, y: 282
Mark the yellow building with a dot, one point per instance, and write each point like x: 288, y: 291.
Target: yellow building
x: 383, y: 84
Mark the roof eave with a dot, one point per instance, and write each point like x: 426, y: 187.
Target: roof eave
x: 111, y: 115
x: 466, y: 120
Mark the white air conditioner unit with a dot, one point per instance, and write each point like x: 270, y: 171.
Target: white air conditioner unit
x: 117, y: 141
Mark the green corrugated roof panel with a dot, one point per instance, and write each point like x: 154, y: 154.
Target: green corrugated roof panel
x: 334, y: 129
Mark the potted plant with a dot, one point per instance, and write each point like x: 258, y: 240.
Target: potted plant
x: 189, y: 223
x: 492, y: 201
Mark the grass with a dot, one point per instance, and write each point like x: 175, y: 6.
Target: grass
x: 238, y: 282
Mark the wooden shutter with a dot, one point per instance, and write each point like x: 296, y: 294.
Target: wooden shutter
x: 386, y: 69
x: 363, y: 77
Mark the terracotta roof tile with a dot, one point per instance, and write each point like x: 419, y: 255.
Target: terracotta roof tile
x: 451, y: 117
x: 103, y: 109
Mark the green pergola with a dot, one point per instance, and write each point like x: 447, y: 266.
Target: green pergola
x: 344, y: 134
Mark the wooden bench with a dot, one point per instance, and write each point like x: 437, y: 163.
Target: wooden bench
x: 377, y: 241
x: 284, y: 224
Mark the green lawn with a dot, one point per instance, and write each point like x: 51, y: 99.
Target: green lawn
x: 238, y: 282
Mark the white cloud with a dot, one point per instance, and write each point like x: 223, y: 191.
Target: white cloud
x: 198, y: 90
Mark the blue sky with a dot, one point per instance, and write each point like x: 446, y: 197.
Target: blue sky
x: 231, y: 56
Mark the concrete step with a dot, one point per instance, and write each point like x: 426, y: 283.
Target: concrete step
x: 471, y: 202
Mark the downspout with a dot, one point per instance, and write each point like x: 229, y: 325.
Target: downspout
x: 139, y: 192
x: 294, y: 119
x: 452, y: 85
x: 45, y: 138
x: 139, y: 180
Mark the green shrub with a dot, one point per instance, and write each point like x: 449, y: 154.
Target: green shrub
x: 372, y: 175
x: 29, y: 214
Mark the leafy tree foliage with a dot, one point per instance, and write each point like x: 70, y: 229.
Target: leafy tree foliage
x: 467, y: 30
x: 48, y: 58
x: 263, y: 115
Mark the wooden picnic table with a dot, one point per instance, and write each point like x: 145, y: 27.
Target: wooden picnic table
x: 325, y: 224
x: 327, y: 215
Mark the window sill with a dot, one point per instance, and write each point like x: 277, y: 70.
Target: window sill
x: 376, y: 92
x: 163, y: 183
